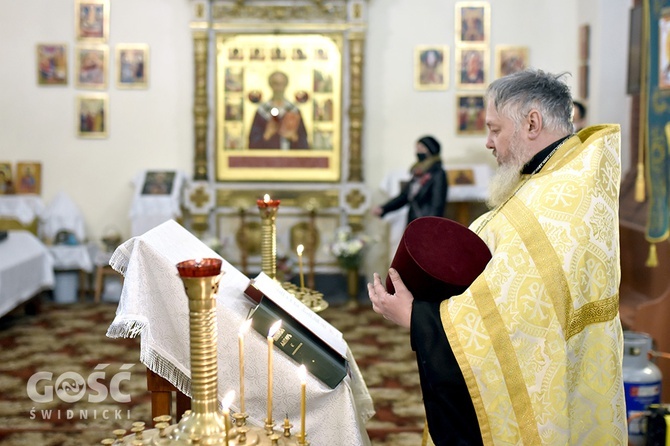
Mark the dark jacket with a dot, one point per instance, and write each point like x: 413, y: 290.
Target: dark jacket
x: 431, y: 197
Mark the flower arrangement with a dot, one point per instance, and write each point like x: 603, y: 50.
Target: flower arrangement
x: 348, y: 247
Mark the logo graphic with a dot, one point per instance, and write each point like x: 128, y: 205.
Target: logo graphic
x: 71, y: 387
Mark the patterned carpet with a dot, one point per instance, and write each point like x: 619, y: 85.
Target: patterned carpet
x: 69, y: 340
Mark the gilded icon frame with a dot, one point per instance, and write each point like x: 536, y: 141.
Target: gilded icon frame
x: 472, y: 22
x: 91, y: 19
x: 28, y: 177
x: 91, y: 66
x: 92, y: 115
x: 158, y: 182
x: 248, y: 145
x: 132, y: 65
x: 510, y: 59
x: 431, y: 67
x: 7, y: 178
x: 51, y: 61
x: 472, y: 67
x: 470, y: 114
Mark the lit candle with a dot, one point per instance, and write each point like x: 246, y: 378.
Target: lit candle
x: 227, y: 400
x: 300, y: 249
x: 240, y: 338
x: 271, y: 334
x: 303, y: 394
x: 267, y: 202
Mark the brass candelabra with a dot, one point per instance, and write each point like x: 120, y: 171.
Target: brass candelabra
x: 205, y: 423
x: 268, y: 209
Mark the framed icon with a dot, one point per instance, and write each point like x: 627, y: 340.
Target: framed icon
x: 472, y: 67
x: 92, y: 115
x: 132, y: 66
x: 91, y: 62
x: 6, y: 180
x: 158, y: 182
x: 431, y: 67
x: 510, y: 59
x: 91, y: 20
x: 472, y: 22
x: 51, y: 64
x: 471, y: 114
x: 279, y: 120
x: 28, y: 177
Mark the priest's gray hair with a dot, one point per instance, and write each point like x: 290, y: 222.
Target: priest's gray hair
x: 517, y: 94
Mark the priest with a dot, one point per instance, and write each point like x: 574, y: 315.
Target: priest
x: 531, y: 352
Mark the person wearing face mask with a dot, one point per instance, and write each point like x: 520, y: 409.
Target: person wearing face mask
x: 426, y: 192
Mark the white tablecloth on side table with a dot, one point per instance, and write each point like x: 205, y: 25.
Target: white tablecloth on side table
x: 26, y: 268
x: 154, y: 304
x: 71, y: 257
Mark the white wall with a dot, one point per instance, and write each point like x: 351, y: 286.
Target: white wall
x: 153, y: 128
x: 396, y: 114
x: 147, y: 128
x: 608, y: 20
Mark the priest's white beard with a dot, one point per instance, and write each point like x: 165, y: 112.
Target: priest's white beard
x: 508, y: 174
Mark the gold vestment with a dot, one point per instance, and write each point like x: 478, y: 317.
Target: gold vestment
x: 537, y: 335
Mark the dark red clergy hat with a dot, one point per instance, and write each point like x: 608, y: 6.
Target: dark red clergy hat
x: 438, y: 258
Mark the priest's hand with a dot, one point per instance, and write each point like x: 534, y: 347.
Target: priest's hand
x: 394, y: 307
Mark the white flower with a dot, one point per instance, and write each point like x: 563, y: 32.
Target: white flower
x: 348, y: 244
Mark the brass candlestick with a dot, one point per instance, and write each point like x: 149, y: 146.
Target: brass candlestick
x: 205, y: 424
x: 268, y: 209
x: 201, y: 282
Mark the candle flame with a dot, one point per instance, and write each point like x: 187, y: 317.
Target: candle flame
x: 302, y: 372
x: 198, y: 261
x: 245, y: 326
x: 274, y: 328
x: 266, y: 198
x: 228, y: 400
x: 300, y: 249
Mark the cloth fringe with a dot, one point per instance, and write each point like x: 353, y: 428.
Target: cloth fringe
x: 119, y: 260
x: 652, y: 260
x: 126, y: 329
x: 162, y: 367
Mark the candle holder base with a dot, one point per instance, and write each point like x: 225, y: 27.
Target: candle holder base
x: 269, y: 426
x: 311, y: 298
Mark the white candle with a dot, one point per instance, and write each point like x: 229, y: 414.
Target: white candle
x: 240, y: 336
x: 271, y: 334
x: 303, y: 398
x: 300, y: 249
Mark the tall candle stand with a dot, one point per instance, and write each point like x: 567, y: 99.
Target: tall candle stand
x: 201, y: 282
x: 268, y: 209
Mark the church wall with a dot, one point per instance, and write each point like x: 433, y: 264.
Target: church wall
x: 153, y: 128
x: 149, y: 128
x: 608, y: 65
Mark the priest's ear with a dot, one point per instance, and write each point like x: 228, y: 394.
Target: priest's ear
x: 533, y: 123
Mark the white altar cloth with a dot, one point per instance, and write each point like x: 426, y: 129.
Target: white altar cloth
x: 154, y: 304
x: 24, y: 208
x: 26, y: 268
